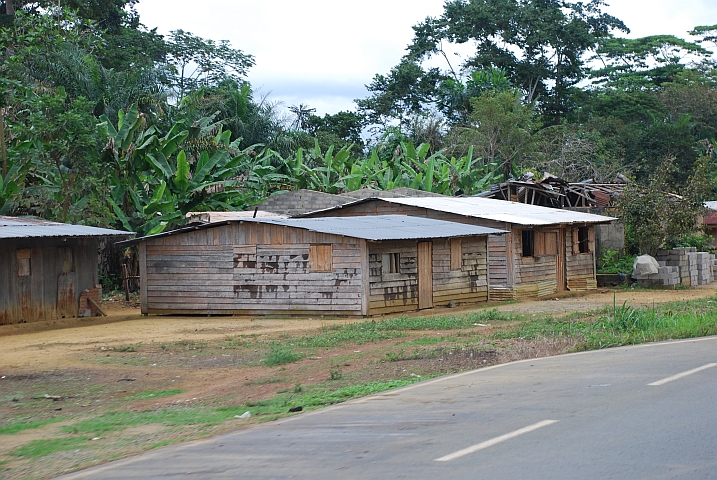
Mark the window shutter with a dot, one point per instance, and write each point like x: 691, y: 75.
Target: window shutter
x: 321, y: 258
x: 456, y: 253
x: 576, y: 241
x: 539, y: 243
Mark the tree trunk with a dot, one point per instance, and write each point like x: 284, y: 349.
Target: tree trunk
x: 3, y: 152
x: 9, y: 8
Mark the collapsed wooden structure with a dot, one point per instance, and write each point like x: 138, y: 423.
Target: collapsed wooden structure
x: 49, y: 270
x: 332, y: 266
x: 555, y: 192
x: 547, y: 250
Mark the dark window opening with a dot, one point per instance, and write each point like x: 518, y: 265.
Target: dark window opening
x: 528, y: 238
x: 583, y: 240
x: 391, y: 263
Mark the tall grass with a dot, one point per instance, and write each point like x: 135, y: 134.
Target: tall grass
x: 626, y: 325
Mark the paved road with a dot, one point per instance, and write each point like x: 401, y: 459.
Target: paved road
x: 629, y: 413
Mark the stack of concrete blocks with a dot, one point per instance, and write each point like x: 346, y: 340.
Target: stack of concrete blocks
x: 665, y: 276
x: 695, y: 268
x: 704, y: 268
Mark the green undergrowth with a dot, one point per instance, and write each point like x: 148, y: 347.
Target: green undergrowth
x: 44, y: 447
x: 281, y: 355
x: 377, y: 331
x: 21, y: 424
x: 321, y: 396
x: 204, y: 416
x: 150, y: 394
x: 625, y: 325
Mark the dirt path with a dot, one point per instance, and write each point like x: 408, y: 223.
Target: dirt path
x: 61, y: 344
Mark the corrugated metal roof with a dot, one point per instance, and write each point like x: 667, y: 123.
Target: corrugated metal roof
x: 711, y: 205
x: 384, y: 227
x: 497, y: 210
x: 378, y: 227
x: 16, y: 227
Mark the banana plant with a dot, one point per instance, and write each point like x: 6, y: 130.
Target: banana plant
x: 156, y: 183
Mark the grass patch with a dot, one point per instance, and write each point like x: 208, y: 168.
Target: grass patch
x: 368, y: 332
x: 416, y: 354
x: 129, y: 348
x: 625, y: 325
x: 172, y: 416
x: 424, y: 341
x: 266, y: 381
x: 320, y: 396
x: 275, y: 407
x: 163, y: 443
x: 20, y: 425
x: 280, y: 356
x: 156, y: 394
x: 42, y: 448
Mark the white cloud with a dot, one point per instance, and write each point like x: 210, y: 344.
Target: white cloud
x: 322, y: 52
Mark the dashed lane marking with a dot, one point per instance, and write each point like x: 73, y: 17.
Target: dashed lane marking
x: 683, y: 374
x: 494, y: 441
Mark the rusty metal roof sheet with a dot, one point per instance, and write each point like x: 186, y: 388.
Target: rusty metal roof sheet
x: 496, y: 210
x: 18, y: 227
x: 377, y: 228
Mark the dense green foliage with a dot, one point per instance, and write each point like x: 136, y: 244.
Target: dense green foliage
x: 106, y: 122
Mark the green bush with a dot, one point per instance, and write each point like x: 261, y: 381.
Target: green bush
x: 701, y: 241
x: 281, y: 356
x: 614, y: 261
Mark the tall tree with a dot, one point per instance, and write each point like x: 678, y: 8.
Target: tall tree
x: 200, y: 62
x: 541, y: 44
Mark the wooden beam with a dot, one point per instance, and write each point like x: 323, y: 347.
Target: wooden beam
x: 94, y: 304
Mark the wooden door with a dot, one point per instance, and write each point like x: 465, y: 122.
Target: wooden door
x: 560, y: 261
x: 425, y: 275
x: 67, y: 305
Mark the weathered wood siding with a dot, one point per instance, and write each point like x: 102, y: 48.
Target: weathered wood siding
x: 510, y: 275
x: 469, y: 283
x: 580, y: 267
x: 42, y: 279
x: 398, y: 291
x: 253, y: 269
x: 393, y: 292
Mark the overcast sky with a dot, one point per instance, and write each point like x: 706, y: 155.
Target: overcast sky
x: 321, y: 53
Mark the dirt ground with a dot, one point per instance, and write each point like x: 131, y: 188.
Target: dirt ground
x: 61, y: 343
x: 73, y: 369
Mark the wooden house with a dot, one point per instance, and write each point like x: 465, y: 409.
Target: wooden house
x: 48, y: 270
x: 332, y: 266
x: 548, y: 250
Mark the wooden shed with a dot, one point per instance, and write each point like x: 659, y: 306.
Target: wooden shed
x: 46, y: 268
x: 333, y: 266
x: 548, y: 250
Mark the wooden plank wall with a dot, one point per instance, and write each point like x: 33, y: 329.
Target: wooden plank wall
x: 580, y: 267
x: 534, y: 276
x: 59, y: 272
x: 393, y: 292
x: 469, y: 284
x: 500, y: 270
x: 396, y: 292
x: 253, y: 269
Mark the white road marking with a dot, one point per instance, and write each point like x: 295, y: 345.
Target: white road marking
x: 683, y: 374
x: 494, y: 441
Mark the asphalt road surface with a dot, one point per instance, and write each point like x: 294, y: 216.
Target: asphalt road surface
x: 630, y: 413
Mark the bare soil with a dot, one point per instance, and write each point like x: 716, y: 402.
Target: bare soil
x: 74, y: 369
